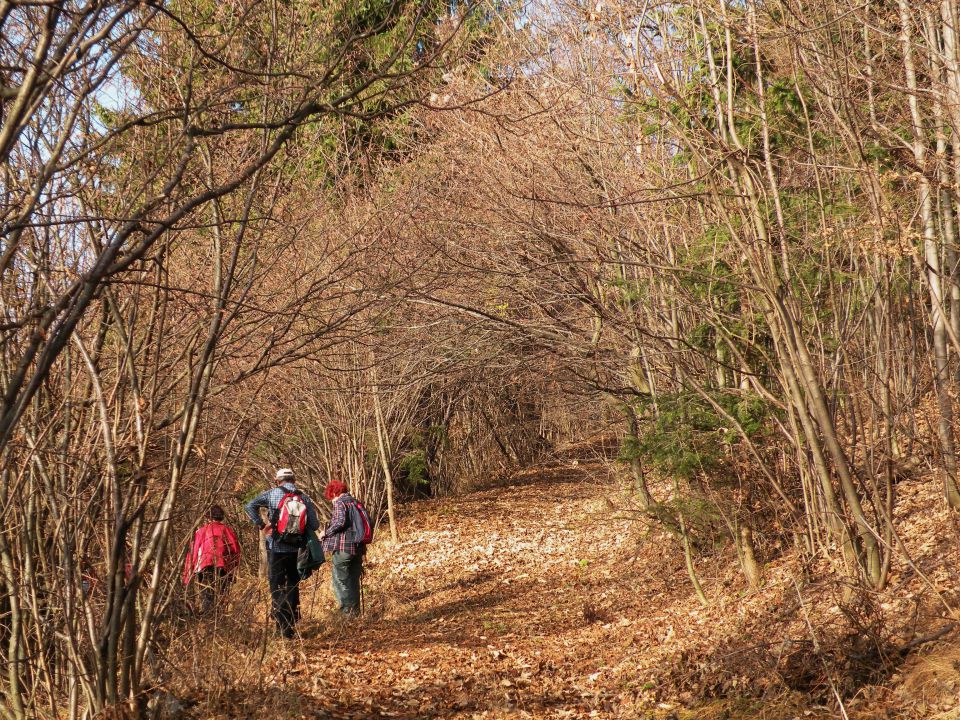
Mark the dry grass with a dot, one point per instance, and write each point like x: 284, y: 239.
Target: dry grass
x: 930, y: 683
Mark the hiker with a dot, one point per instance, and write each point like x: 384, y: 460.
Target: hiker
x: 213, y: 559
x: 347, y: 553
x: 292, y: 516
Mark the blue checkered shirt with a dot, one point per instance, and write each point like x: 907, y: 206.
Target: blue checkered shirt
x: 270, y: 499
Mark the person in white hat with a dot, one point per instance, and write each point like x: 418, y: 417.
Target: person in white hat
x: 292, y: 516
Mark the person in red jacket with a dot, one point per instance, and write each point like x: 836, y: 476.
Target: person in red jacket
x: 213, y: 558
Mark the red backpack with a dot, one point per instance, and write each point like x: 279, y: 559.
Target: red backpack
x: 290, y: 520
x: 361, y: 529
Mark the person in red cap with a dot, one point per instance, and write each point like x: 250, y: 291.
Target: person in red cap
x: 213, y: 558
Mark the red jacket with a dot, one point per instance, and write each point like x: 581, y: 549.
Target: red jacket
x: 214, y: 545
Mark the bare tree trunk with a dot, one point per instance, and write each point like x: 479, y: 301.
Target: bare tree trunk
x: 647, y: 503
x: 385, y: 463
x: 938, y: 318
x: 748, y: 559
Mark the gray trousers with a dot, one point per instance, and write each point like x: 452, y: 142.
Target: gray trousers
x: 345, y: 577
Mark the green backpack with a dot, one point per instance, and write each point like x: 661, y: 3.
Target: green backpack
x: 310, y: 557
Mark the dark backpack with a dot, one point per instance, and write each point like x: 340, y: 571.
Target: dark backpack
x: 361, y: 529
x: 290, y: 520
x: 310, y: 557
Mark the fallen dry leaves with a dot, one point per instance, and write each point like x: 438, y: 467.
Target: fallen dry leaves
x: 530, y: 600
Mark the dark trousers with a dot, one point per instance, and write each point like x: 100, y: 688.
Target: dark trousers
x: 212, y: 584
x: 284, y: 591
x: 345, y: 578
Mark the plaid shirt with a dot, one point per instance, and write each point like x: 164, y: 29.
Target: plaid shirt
x: 336, y: 536
x: 270, y: 499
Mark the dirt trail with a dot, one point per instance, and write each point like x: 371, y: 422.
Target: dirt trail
x: 521, y: 601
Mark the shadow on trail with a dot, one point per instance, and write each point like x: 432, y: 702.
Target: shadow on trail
x: 463, y: 607
x: 472, y: 582
x: 426, y: 701
x: 468, y: 623
x: 484, y: 616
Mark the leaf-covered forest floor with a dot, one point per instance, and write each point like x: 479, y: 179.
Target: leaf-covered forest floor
x: 535, y: 599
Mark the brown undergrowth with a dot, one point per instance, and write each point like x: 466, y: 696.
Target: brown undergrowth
x: 533, y: 600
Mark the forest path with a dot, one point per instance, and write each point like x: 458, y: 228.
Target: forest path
x: 525, y: 600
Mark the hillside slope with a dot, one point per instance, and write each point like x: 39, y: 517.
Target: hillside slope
x: 536, y: 599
